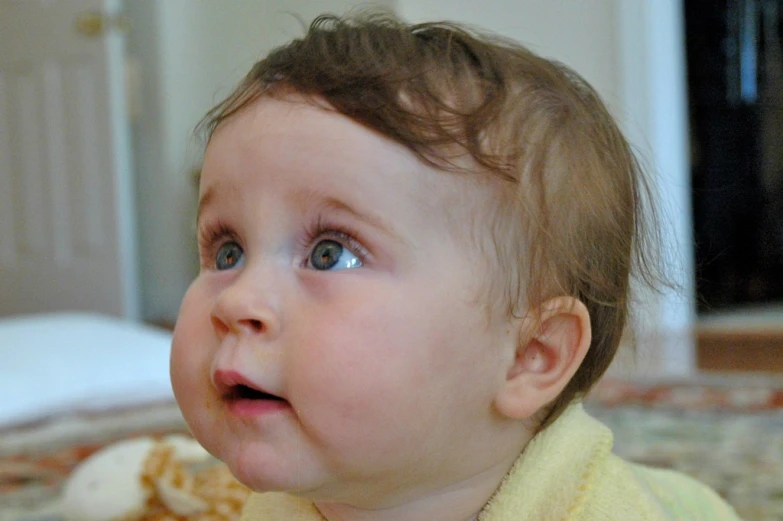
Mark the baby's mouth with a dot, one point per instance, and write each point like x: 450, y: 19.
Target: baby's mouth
x: 234, y: 387
x: 244, y: 392
x: 247, y: 401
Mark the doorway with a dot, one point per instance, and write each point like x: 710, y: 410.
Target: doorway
x: 735, y: 91
x: 735, y: 85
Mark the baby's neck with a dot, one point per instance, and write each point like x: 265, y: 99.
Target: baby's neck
x: 459, y: 502
x: 335, y: 512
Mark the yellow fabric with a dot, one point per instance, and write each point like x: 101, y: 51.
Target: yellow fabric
x: 566, y: 473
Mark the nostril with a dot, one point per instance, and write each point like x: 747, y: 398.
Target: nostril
x: 219, y: 326
x: 249, y: 325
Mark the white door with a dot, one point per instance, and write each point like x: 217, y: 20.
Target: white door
x: 66, y: 194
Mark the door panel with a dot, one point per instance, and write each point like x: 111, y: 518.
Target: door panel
x: 66, y: 219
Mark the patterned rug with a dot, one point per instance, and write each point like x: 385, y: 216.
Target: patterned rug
x: 36, y: 459
x: 727, y: 432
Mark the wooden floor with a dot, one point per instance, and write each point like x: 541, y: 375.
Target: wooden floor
x: 727, y: 351
x: 748, y: 341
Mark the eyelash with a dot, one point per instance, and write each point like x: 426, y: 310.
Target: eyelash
x: 321, y: 229
x: 211, y: 238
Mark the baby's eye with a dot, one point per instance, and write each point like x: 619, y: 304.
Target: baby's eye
x: 228, y: 256
x: 331, y: 255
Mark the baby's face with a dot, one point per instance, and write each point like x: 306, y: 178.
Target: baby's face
x: 334, y: 344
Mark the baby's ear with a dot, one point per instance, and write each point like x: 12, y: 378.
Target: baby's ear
x: 546, y: 360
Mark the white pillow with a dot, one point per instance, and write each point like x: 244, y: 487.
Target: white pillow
x: 54, y: 363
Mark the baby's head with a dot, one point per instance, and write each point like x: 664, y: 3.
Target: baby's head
x: 402, y: 217
x: 564, y: 218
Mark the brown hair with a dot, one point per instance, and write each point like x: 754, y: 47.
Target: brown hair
x: 569, y: 217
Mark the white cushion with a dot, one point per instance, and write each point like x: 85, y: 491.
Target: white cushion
x: 54, y: 363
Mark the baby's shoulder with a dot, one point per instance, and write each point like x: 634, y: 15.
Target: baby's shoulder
x: 277, y: 506
x: 663, y: 494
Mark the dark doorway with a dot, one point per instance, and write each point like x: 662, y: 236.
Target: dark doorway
x: 735, y: 84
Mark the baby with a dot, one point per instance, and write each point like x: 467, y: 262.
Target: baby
x: 416, y: 245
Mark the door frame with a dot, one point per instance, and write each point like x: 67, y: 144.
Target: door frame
x: 653, y: 91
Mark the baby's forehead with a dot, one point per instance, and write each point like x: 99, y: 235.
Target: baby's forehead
x: 348, y: 159
x: 311, y: 125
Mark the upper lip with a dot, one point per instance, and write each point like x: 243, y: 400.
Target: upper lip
x: 227, y: 382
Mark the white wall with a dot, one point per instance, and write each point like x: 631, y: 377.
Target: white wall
x: 582, y: 34
x: 654, y: 114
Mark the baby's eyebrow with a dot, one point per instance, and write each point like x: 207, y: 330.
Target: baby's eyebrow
x: 308, y: 198
x: 204, y: 200
x: 210, y: 195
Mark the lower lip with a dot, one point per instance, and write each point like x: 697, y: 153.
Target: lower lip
x: 252, y: 408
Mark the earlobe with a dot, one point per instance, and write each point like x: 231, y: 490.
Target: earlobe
x: 546, y: 359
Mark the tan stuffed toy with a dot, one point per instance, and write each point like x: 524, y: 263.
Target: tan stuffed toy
x: 143, y: 479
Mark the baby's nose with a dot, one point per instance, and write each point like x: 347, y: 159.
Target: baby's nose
x: 246, y: 308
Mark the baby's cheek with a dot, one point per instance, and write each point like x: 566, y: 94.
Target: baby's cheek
x: 183, y: 376
x: 189, y: 369
x: 350, y: 386
x: 189, y: 362
x: 190, y: 382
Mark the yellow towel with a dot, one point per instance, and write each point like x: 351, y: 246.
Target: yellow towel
x: 566, y: 473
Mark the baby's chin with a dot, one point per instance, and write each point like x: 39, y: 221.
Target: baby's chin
x: 319, y: 488
x: 263, y: 469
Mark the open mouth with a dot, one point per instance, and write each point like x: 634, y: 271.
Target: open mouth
x: 245, y: 401
x: 240, y: 393
x: 244, y: 392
